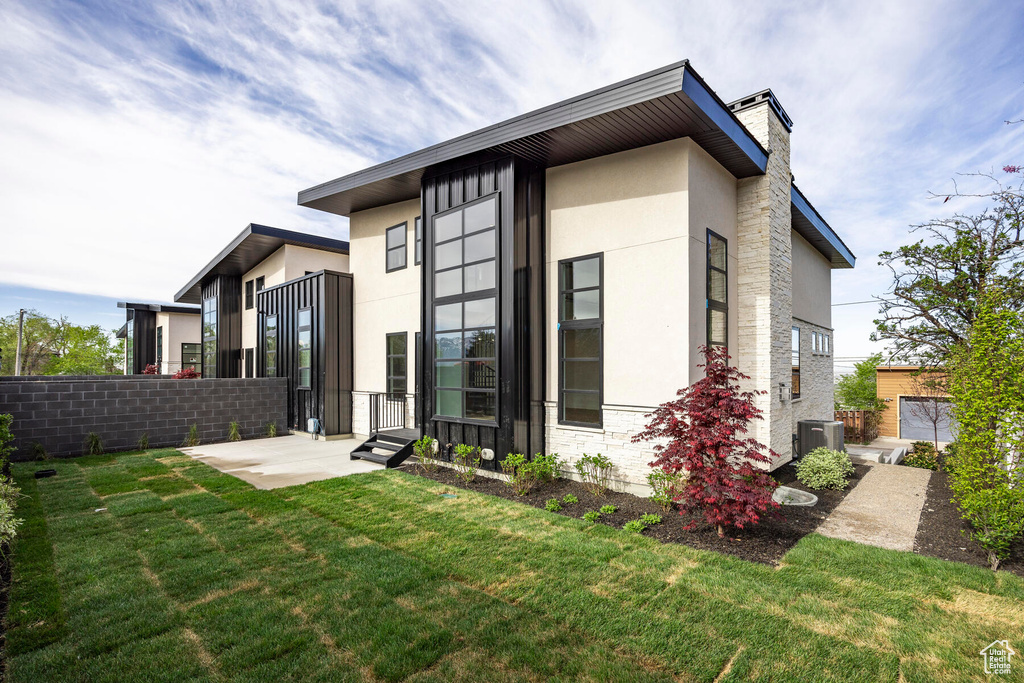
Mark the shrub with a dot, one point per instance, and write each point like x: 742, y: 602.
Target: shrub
x: 923, y: 455
x: 552, y: 505
x: 570, y: 499
x: 666, y: 486
x: 6, y: 438
x: 271, y: 430
x: 151, y: 370
x: 39, y: 451
x: 186, y: 373
x: 702, y: 433
x: 522, y: 474
x: 233, y: 434
x: 823, y: 468
x: 192, y: 438
x: 650, y: 519
x: 594, y: 471
x: 636, y: 526
x: 466, y: 459
x: 592, y: 516
x: 9, y: 494
x: 608, y: 509
x: 547, y: 467
x: 144, y: 441
x: 424, y: 451
x: 93, y: 444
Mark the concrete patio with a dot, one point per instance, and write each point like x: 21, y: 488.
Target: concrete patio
x: 283, y: 461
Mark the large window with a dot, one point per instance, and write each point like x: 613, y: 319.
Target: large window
x: 717, y: 290
x: 396, y: 251
x: 579, y: 341
x: 397, y: 362
x: 796, y: 362
x: 210, y: 337
x: 465, y: 311
x: 270, y: 346
x: 129, y: 346
x: 248, y: 295
x: 418, y: 236
x: 305, y: 347
x: 159, y: 349
x: 192, y: 357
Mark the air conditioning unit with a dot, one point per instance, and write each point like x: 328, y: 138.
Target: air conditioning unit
x: 813, y: 434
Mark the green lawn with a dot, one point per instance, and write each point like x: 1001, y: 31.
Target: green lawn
x: 193, y: 574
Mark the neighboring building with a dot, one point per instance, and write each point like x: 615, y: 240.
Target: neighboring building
x: 911, y: 415
x: 307, y: 272
x: 161, y: 335
x: 559, y: 272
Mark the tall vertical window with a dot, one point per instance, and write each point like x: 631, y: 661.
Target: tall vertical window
x: 270, y: 346
x: 129, y: 346
x: 796, y: 362
x: 717, y: 290
x: 210, y: 337
x: 827, y: 348
x: 580, y: 326
x: 397, y: 363
x: 248, y: 295
x: 418, y: 236
x: 305, y: 347
x: 260, y: 283
x: 192, y: 357
x: 396, y: 252
x: 159, y: 349
x: 465, y: 311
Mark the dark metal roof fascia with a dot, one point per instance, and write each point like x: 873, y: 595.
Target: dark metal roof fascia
x: 809, y: 223
x: 159, y: 308
x: 284, y: 236
x: 668, y: 80
x: 123, y: 332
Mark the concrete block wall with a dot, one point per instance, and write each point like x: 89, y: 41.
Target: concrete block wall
x: 58, y: 412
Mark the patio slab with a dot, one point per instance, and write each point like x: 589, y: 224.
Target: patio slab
x: 283, y: 461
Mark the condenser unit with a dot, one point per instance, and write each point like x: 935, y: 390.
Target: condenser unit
x: 813, y: 434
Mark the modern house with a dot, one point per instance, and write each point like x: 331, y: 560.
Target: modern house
x: 916, y: 409
x: 278, y: 303
x: 541, y: 284
x: 161, y: 335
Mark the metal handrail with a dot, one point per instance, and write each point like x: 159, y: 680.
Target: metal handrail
x: 387, y: 412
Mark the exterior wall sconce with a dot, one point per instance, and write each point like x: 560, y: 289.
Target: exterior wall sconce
x: 784, y: 393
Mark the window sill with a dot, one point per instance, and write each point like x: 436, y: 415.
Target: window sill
x: 580, y: 428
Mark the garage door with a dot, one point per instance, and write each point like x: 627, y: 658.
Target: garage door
x: 916, y: 419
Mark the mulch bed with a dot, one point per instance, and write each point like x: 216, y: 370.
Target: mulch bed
x: 943, y: 534
x: 766, y: 542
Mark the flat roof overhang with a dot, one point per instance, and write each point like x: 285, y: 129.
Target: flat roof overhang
x: 249, y: 248
x: 664, y: 104
x: 159, y: 308
x: 809, y: 223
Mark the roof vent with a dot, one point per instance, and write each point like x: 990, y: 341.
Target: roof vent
x: 760, y: 97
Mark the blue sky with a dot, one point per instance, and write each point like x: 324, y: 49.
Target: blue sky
x: 137, y: 140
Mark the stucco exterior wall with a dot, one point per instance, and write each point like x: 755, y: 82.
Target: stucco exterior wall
x: 384, y: 303
x: 812, y: 283
x: 179, y: 328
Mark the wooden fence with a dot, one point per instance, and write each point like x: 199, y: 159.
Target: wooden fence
x: 859, y: 426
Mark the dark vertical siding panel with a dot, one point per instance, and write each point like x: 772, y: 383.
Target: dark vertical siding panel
x: 144, y: 341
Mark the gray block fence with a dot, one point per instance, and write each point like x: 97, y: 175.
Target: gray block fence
x: 58, y: 412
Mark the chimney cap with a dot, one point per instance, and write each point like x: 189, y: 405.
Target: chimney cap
x: 761, y: 97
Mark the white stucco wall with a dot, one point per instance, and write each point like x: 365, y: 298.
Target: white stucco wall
x: 812, y: 283
x: 812, y: 312
x: 178, y: 329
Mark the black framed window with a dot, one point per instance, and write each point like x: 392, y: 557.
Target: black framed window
x: 248, y: 295
x: 397, y: 364
x: 270, y: 346
x: 580, y: 340
x: 192, y: 357
x: 418, y: 237
x: 210, y: 336
x: 129, y: 346
x: 796, y: 362
x: 260, y: 281
x: 465, y: 244
x: 717, y: 290
x: 305, y: 346
x: 159, y: 348
x: 395, y: 238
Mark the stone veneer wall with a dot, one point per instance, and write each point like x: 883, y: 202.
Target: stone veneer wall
x: 58, y: 412
x: 765, y: 281
x: 817, y: 388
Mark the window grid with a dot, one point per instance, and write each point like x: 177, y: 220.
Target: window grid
x: 580, y: 345
x: 717, y: 305
x: 248, y: 295
x: 418, y: 237
x: 395, y: 240
x: 397, y: 364
x: 129, y: 347
x: 192, y: 357
x: 260, y: 283
x: 304, y: 330
x: 796, y: 362
x: 210, y: 336
x: 159, y: 348
x: 270, y: 346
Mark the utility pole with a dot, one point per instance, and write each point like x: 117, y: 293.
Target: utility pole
x: 17, y: 354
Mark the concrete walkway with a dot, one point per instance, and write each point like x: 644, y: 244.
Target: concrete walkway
x: 884, y: 510
x: 283, y: 461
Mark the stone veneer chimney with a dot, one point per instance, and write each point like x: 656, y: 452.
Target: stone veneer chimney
x: 765, y: 277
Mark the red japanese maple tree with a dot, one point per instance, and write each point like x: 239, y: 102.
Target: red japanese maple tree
x: 705, y: 429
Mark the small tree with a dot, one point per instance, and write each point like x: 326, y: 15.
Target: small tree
x: 987, y: 386
x: 704, y: 431
x: 931, y: 404
x: 859, y: 390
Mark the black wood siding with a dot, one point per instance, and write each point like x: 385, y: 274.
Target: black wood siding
x: 143, y: 340
x: 329, y: 397
x: 228, y: 291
